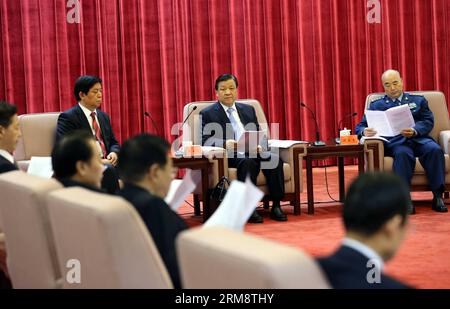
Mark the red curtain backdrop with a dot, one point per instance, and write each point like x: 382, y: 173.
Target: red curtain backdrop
x: 158, y: 55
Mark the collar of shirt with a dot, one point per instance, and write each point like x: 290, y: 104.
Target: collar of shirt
x: 87, y: 113
x: 225, y: 108
x: 235, y: 113
x: 400, y: 98
x: 7, y: 155
x: 363, y: 249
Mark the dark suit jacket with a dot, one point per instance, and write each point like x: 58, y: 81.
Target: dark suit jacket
x: 347, y: 269
x: 74, y: 119
x: 67, y: 183
x: 422, y: 115
x: 162, y: 223
x: 6, y: 166
x: 215, y: 114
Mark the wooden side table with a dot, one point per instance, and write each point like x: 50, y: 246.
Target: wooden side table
x: 203, y: 164
x: 331, y: 150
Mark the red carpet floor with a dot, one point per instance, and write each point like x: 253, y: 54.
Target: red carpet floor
x: 423, y: 260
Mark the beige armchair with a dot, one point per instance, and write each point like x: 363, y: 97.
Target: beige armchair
x: 108, y: 238
x: 219, y: 258
x: 31, y: 254
x: 38, y: 137
x: 291, y: 157
x: 440, y: 133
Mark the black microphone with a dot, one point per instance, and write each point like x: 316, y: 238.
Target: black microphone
x: 351, y: 115
x: 318, y: 142
x: 187, y: 117
x: 147, y: 114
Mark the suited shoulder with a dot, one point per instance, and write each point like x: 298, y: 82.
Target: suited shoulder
x: 70, y: 112
x: 374, y: 104
x: 211, y: 108
x: 417, y: 98
x: 244, y: 106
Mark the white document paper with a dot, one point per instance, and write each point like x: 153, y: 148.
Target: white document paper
x: 376, y: 137
x: 179, y: 190
x: 41, y: 166
x: 238, y: 205
x: 250, y: 140
x: 390, y: 122
x: 284, y: 144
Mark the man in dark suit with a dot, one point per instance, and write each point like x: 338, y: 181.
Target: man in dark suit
x: 76, y: 161
x: 222, y: 125
x: 375, y: 217
x: 86, y: 116
x: 145, y: 165
x: 9, y: 135
x: 412, y: 142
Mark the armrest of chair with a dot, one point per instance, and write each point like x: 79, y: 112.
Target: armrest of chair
x: 444, y: 140
x: 294, y: 156
x: 287, y: 154
x: 374, y: 150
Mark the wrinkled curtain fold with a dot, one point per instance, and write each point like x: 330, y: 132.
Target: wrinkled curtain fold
x: 158, y: 55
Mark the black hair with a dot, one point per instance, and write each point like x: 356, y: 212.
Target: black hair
x: 69, y: 150
x: 7, y: 111
x: 84, y: 84
x: 373, y: 199
x: 225, y: 77
x: 139, y: 153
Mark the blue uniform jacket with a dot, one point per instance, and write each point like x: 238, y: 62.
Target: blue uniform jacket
x: 422, y: 115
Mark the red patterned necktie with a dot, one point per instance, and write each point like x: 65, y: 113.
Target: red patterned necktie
x: 98, y: 134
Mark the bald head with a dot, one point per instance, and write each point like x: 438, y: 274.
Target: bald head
x: 392, y: 83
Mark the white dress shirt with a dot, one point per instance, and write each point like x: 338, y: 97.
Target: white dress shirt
x: 87, y: 113
x: 7, y: 155
x: 364, y: 250
x: 235, y: 115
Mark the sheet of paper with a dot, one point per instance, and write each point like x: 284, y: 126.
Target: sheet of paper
x: 379, y: 122
x: 400, y: 117
x: 376, y: 137
x: 239, y: 203
x: 284, y: 143
x: 390, y: 122
x: 181, y: 190
x: 173, y: 188
x: 41, y: 166
x: 249, y: 141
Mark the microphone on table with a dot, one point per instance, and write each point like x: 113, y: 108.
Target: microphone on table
x: 147, y: 114
x: 351, y: 115
x: 318, y: 142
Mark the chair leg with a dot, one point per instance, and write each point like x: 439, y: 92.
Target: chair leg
x: 446, y: 194
x: 266, y: 204
x: 197, y: 205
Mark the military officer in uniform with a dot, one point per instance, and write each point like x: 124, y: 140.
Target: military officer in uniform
x: 412, y: 142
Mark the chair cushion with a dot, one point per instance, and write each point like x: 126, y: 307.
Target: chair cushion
x: 388, y: 162
x: 261, y: 180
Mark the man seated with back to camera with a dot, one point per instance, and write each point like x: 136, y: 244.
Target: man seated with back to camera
x: 9, y: 135
x: 375, y: 216
x: 76, y: 161
x: 145, y: 166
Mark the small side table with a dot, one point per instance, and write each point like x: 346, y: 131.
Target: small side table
x: 331, y: 150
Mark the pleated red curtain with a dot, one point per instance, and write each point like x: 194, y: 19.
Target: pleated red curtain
x: 157, y: 55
